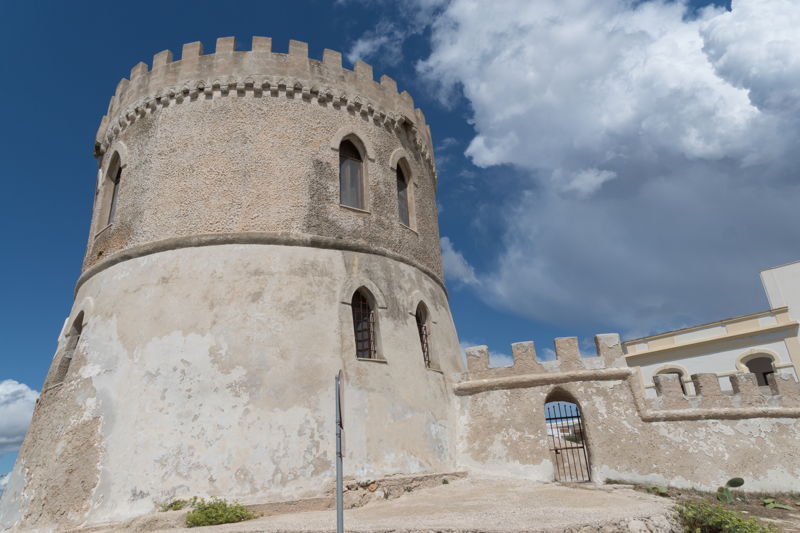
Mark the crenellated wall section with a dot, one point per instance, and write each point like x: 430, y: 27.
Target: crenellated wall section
x: 674, y: 439
x: 260, y: 71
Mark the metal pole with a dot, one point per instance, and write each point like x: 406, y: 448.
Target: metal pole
x: 339, y: 488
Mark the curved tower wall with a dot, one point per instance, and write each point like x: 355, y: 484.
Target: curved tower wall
x: 215, y: 309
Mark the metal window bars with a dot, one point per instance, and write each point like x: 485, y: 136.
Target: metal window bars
x: 364, y: 325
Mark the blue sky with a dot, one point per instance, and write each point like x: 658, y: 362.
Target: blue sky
x: 603, y: 166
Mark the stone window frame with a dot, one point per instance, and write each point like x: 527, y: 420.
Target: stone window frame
x: 359, y: 140
x: 401, y: 159
x: 72, y: 337
x: 116, y: 162
x: 424, y: 342
x: 757, y: 353
x: 378, y: 303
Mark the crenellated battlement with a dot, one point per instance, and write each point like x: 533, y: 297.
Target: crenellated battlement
x: 261, y: 72
x: 608, y: 355
x: 783, y: 392
x: 745, y: 399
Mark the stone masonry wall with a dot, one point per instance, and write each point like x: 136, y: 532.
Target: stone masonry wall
x: 685, y: 441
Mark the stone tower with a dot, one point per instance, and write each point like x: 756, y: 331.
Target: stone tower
x: 261, y: 220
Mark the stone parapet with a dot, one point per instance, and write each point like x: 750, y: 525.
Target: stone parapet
x: 781, y: 399
x: 568, y: 358
x: 261, y: 72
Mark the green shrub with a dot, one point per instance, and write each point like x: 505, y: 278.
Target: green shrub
x: 215, y: 512
x: 697, y: 517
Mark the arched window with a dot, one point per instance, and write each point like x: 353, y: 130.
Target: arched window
x: 73, y: 337
x: 402, y: 197
x: 351, y: 176
x: 364, y: 326
x: 761, y: 367
x: 112, y: 209
x: 110, y: 192
x: 675, y: 371
x: 424, y: 333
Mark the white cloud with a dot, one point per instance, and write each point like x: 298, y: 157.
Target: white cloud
x: 456, y: 268
x: 385, y: 39
x: 660, y: 150
x: 384, y: 42
x: 17, y: 401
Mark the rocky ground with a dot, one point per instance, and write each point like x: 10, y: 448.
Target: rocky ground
x: 467, y: 505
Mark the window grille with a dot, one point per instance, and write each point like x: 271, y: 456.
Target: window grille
x: 364, y: 327
x: 422, y: 328
x: 402, y: 197
x: 351, y: 175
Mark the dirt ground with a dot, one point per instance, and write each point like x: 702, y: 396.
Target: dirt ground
x: 491, y: 505
x: 749, y: 504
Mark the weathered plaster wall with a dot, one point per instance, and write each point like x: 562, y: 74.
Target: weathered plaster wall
x: 698, y: 441
x: 209, y: 371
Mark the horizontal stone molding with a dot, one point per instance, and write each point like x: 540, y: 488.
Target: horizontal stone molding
x: 719, y: 414
x: 263, y: 238
x: 260, y: 72
x: 466, y: 388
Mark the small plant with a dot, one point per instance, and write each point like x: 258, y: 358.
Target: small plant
x: 724, y: 494
x: 176, y: 505
x: 407, y: 489
x: 770, y: 503
x: 216, y: 511
x: 656, y: 489
x: 698, y: 517
x: 445, y: 481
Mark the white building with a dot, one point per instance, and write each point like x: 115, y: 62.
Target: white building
x: 761, y: 343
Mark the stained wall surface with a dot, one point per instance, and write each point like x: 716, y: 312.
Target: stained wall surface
x: 209, y: 371
x: 674, y: 440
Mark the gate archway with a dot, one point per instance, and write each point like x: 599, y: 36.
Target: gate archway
x: 567, y: 438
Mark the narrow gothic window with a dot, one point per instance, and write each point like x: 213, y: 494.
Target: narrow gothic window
x: 114, y: 194
x: 402, y: 196
x: 424, y: 333
x: 351, y: 175
x: 73, y: 337
x: 364, y: 327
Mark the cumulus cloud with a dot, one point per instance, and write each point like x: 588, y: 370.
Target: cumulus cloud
x: 16, y: 407
x: 456, y: 268
x: 384, y: 42
x: 659, y: 148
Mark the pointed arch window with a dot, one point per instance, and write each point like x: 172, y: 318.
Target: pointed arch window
x: 423, y: 329
x: 73, y: 337
x: 364, y: 326
x: 351, y: 176
x: 402, y: 197
x: 115, y: 181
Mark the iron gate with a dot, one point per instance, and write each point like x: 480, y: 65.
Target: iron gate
x: 565, y: 427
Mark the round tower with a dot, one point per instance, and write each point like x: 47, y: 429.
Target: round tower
x: 261, y: 220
